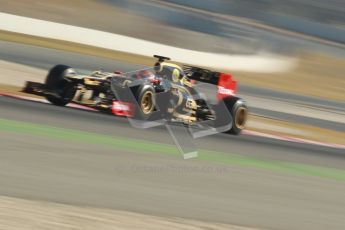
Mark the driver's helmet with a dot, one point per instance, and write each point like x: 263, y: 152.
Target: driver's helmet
x: 145, y: 74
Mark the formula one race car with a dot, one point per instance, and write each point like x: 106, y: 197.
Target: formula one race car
x: 189, y: 95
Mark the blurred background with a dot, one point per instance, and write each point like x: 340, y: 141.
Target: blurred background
x: 249, y: 26
x: 65, y: 168
x: 311, y: 32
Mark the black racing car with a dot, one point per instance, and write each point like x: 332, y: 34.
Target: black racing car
x: 166, y: 91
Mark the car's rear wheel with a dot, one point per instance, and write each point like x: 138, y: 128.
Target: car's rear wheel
x: 239, y: 114
x: 236, y: 115
x: 61, y: 90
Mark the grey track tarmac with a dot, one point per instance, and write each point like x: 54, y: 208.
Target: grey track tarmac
x: 41, y: 168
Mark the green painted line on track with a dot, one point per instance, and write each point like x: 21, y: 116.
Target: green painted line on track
x: 153, y: 147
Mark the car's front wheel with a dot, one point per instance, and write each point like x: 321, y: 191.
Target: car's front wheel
x: 61, y: 90
x: 145, y: 97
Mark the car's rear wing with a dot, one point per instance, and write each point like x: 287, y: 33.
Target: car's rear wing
x: 226, y: 85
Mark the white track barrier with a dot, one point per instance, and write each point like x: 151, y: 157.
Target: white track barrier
x: 263, y: 63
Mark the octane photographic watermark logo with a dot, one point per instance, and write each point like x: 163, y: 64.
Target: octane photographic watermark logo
x: 182, y: 133
x: 171, y: 168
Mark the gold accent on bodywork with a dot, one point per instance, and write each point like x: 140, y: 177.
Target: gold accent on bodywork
x: 126, y: 82
x: 185, y: 118
x: 172, y: 66
x: 76, y: 77
x: 88, y: 81
x: 175, y: 75
x: 186, y: 82
x: 105, y: 106
x: 191, y: 104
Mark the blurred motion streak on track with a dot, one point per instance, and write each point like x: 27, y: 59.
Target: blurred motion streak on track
x: 245, y: 132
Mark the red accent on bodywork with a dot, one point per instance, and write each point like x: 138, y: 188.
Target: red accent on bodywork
x: 226, y: 86
x: 123, y: 109
x: 155, y: 81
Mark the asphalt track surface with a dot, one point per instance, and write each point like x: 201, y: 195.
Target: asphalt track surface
x: 45, y: 58
x: 43, y: 167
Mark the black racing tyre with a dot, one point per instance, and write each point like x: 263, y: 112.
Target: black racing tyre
x: 238, y: 110
x: 63, y: 90
x: 145, y: 97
